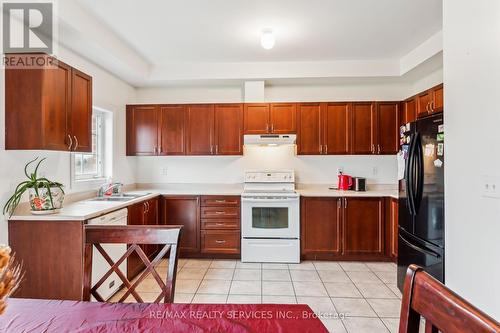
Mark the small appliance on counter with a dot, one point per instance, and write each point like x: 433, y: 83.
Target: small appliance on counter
x: 345, y: 182
x: 359, y: 184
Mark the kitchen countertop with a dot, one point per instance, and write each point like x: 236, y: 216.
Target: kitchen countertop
x: 86, y: 209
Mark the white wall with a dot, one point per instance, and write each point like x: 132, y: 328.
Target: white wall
x: 109, y: 93
x: 472, y: 82
x: 225, y: 169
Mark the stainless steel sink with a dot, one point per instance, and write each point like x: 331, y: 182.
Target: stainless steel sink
x: 120, y: 198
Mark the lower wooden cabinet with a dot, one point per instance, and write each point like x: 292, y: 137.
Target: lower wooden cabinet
x: 185, y: 211
x: 343, y: 228
x: 392, y: 217
x: 363, y: 226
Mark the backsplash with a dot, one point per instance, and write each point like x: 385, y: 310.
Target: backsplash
x: 230, y: 169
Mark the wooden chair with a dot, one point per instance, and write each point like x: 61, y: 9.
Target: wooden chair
x: 132, y: 235
x: 442, y: 309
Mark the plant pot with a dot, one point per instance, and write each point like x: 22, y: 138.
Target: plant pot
x: 43, y: 203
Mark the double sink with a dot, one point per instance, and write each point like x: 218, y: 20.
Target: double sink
x: 120, y: 198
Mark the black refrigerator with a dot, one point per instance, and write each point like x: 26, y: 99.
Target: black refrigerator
x: 421, y: 197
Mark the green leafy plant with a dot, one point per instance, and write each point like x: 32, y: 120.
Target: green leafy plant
x: 34, y: 182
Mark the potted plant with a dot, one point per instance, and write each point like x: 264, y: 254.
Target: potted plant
x: 45, y: 196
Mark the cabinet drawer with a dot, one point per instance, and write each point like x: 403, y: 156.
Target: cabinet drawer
x: 220, y: 212
x: 220, y: 241
x: 220, y: 224
x: 212, y: 200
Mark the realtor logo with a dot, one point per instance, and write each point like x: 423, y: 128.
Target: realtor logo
x: 28, y: 27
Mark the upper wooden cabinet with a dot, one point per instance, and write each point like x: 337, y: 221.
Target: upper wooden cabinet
x: 274, y: 118
x: 408, y: 112
x: 142, y: 130
x: 387, y: 128
x: 323, y: 128
x: 200, y: 129
x: 430, y: 101
x: 375, y: 128
x: 48, y: 108
x: 363, y: 139
x: 228, y: 129
x: 363, y: 226
x: 171, y: 130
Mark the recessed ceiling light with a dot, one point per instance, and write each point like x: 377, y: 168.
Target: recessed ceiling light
x: 267, y: 39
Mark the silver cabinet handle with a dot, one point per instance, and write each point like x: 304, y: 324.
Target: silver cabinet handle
x: 339, y: 202
x: 219, y: 212
x: 220, y: 241
x: 321, y: 149
x: 373, y: 149
x: 326, y: 149
x: 378, y: 149
x: 220, y: 201
x: 211, y: 149
x: 70, y: 142
x: 267, y: 127
x: 272, y: 128
x: 345, y: 202
x: 432, y: 106
x: 216, y: 149
x: 76, y: 142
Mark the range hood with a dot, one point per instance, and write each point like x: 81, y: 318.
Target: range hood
x: 270, y: 139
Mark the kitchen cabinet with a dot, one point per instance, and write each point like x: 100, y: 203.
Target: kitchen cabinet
x: 387, y: 128
x: 142, y: 213
x: 430, y: 101
x: 309, y: 140
x: 423, y: 103
x: 185, y: 211
x: 363, y: 226
x: 220, y: 221
x: 48, y: 108
x: 343, y: 228
x: 200, y: 129
x: 171, y: 130
x: 363, y: 139
x: 408, y: 111
x: 437, y: 99
x: 142, y: 130
x: 324, y: 128
x: 274, y: 118
x: 228, y: 129
x: 321, y: 222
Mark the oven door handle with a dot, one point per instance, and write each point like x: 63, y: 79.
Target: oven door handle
x: 270, y: 200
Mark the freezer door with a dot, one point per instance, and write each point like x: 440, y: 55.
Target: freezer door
x: 414, y: 251
x: 429, y: 206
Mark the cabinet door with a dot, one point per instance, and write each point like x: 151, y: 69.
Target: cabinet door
x: 56, y: 108
x: 184, y: 211
x: 229, y: 129
x: 81, y: 111
x: 171, y: 130
x: 142, y: 130
x: 393, y: 228
x: 387, y: 128
x: 309, y: 129
x: 437, y: 99
x: 135, y: 217
x: 337, y: 120
x: 320, y: 226
x: 363, y: 226
x: 363, y: 123
x: 423, y: 103
x: 283, y: 118
x: 409, y: 111
x: 256, y: 119
x: 200, y: 133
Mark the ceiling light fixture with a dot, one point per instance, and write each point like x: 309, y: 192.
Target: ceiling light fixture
x: 267, y: 39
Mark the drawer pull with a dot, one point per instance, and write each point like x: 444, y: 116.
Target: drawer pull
x: 220, y: 201
x: 219, y: 224
x: 220, y: 241
x: 219, y: 212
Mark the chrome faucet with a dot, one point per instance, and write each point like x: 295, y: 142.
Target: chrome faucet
x: 106, y: 187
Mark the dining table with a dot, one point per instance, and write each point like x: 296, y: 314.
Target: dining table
x: 37, y: 315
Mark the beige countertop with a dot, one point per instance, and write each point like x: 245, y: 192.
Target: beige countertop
x: 85, y: 209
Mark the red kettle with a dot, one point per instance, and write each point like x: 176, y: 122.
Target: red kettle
x: 345, y: 182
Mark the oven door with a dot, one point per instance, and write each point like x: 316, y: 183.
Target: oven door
x: 276, y: 217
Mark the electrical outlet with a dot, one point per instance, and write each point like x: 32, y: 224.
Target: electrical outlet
x: 340, y: 170
x: 163, y: 171
x: 375, y: 171
x: 490, y: 187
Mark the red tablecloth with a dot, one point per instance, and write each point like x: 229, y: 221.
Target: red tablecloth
x: 27, y: 315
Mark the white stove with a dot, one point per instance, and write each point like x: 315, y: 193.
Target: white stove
x: 270, y: 220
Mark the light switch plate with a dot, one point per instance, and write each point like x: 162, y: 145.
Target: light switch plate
x: 490, y: 186
x: 163, y: 171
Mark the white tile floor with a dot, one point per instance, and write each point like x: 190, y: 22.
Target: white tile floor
x: 365, y: 294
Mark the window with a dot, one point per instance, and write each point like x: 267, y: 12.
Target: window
x: 93, y: 166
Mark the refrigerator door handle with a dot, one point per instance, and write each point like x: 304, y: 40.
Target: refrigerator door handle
x: 409, y: 172
x: 420, y: 174
x: 419, y: 249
